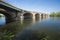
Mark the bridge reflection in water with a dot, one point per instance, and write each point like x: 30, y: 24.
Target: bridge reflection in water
x: 22, y: 20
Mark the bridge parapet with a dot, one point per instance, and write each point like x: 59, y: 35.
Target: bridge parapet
x: 10, y: 6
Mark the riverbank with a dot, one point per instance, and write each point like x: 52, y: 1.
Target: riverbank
x: 55, y: 14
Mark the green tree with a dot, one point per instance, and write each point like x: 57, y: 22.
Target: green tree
x: 53, y: 14
x: 58, y: 14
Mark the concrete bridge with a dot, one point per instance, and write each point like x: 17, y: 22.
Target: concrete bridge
x: 12, y: 13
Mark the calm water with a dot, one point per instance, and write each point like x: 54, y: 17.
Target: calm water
x: 23, y: 28
x: 2, y: 20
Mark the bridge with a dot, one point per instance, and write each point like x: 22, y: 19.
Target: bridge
x: 13, y: 13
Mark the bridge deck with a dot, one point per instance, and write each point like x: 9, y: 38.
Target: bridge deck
x: 10, y: 6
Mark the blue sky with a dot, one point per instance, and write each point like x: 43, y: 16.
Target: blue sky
x: 45, y: 6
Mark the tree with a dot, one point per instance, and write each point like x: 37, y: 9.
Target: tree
x: 58, y: 14
x: 53, y: 14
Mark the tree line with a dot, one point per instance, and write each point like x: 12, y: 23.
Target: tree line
x: 55, y: 14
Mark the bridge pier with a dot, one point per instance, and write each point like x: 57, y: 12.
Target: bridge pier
x: 39, y: 16
x: 15, y: 16
x: 21, y: 18
x: 11, y: 18
x: 33, y: 18
x: 43, y: 15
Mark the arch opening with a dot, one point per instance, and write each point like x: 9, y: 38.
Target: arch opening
x: 2, y: 19
x: 37, y: 16
x: 7, y: 16
x: 41, y: 15
x: 27, y: 16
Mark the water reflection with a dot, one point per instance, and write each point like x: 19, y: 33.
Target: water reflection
x: 2, y: 21
x: 33, y: 21
x: 25, y: 28
x: 50, y: 27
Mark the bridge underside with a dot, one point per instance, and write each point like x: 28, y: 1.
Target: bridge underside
x: 37, y: 16
x: 27, y: 16
x: 8, y: 17
x: 9, y: 13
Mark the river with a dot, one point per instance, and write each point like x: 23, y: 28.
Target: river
x: 23, y: 29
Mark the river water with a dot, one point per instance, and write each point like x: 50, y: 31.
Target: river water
x: 25, y: 28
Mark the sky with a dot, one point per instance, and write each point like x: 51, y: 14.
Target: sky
x: 45, y: 6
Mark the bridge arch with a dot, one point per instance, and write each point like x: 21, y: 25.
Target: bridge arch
x: 2, y: 19
x: 27, y: 15
x: 37, y: 15
x: 42, y: 15
x: 7, y: 16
